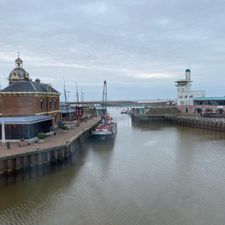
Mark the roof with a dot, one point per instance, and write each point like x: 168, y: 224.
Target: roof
x: 19, y: 60
x: 209, y: 98
x: 67, y: 110
x: 183, y: 81
x: 18, y: 71
x: 29, y: 86
x: 25, y: 119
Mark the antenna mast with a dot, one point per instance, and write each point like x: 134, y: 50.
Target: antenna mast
x: 77, y: 94
x: 65, y: 94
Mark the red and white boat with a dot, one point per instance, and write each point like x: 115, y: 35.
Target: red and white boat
x: 107, y: 127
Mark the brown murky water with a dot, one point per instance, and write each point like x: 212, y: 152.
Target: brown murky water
x: 151, y: 174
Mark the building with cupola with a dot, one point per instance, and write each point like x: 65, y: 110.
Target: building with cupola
x: 185, y: 95
x: 28, y: 107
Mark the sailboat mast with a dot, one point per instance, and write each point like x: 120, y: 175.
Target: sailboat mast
x: 77, y: 94
x: 65, y: 95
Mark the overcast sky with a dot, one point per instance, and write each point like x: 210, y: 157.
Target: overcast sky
x: 139, y: 46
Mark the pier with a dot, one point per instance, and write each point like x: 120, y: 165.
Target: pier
x: 172, y: 115
x: 197, y: 121
x: 55, y: 148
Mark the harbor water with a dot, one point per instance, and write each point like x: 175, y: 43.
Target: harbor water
x: 151, y: 173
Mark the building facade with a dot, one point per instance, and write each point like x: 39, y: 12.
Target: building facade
x: 185, y: 95
x: 209, y: 106
x: 25, y: 99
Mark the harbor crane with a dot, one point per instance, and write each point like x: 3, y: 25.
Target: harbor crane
x: 104, y: 98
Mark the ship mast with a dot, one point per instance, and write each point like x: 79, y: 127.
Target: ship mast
x: 65, y: 95
x: 77, y: 94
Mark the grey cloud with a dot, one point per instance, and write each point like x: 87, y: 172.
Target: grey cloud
x: 144, y: 44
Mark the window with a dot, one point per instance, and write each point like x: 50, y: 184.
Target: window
x: 42, y: 104
x: 55, y: 104
x: 50, y: 104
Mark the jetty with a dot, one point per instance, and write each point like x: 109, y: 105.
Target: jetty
x: 173, y: 115
x: 57, y: 147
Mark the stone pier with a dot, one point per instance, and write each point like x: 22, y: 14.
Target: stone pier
x: 55, y: 149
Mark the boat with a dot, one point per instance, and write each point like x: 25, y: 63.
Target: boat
x: 125, y: 111
x: 106, y: 128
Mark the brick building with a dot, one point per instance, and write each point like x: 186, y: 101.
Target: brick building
x: 30, y: 98
x: 23, y: 98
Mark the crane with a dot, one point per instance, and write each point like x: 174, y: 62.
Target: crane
x: 104, y: 98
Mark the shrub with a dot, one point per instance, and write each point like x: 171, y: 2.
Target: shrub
x: 64, y: 127
x: 41, y: 135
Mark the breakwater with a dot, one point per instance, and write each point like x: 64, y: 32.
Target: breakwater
x: 14, y: 160
x: 195, y: 121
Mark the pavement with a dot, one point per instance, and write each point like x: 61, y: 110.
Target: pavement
x: 61, y: 137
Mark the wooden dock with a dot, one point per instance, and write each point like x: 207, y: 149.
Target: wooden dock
x: 190, y: 120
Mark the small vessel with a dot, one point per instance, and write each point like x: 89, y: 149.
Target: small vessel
x: 125, y: 111
x: 106, y: 128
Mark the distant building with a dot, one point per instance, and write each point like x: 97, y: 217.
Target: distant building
x: 185, y: 96
x: 70, y: 113
x: 25, y: 103
x: 209, y: 105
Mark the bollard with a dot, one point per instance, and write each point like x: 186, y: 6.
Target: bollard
x: 8, y: 145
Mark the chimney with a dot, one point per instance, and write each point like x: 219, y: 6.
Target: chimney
x: 49, y: 88
x: 38, y: 81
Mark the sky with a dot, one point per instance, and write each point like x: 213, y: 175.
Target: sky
x: 139, y: 46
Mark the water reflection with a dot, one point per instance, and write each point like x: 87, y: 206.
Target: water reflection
x: 42, y: 170
x: 150, y: 125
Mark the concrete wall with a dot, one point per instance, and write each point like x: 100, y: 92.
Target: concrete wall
x: 40, y: 157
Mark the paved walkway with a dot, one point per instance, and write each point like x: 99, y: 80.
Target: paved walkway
x: 59, y: 139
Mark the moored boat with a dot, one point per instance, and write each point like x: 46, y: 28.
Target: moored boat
x: 107, y: 127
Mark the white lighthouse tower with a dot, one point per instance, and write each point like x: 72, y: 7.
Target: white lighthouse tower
x: 185, y: 95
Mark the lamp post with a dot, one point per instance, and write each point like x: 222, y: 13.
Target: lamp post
x: 3, y: 132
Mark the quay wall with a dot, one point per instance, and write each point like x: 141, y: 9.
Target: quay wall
x: 210, y: 123
x: 195, y: 121
x: 39, y: 157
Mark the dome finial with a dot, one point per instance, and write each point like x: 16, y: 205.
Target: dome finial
x: 18, y: 73
x: 19, y: 61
